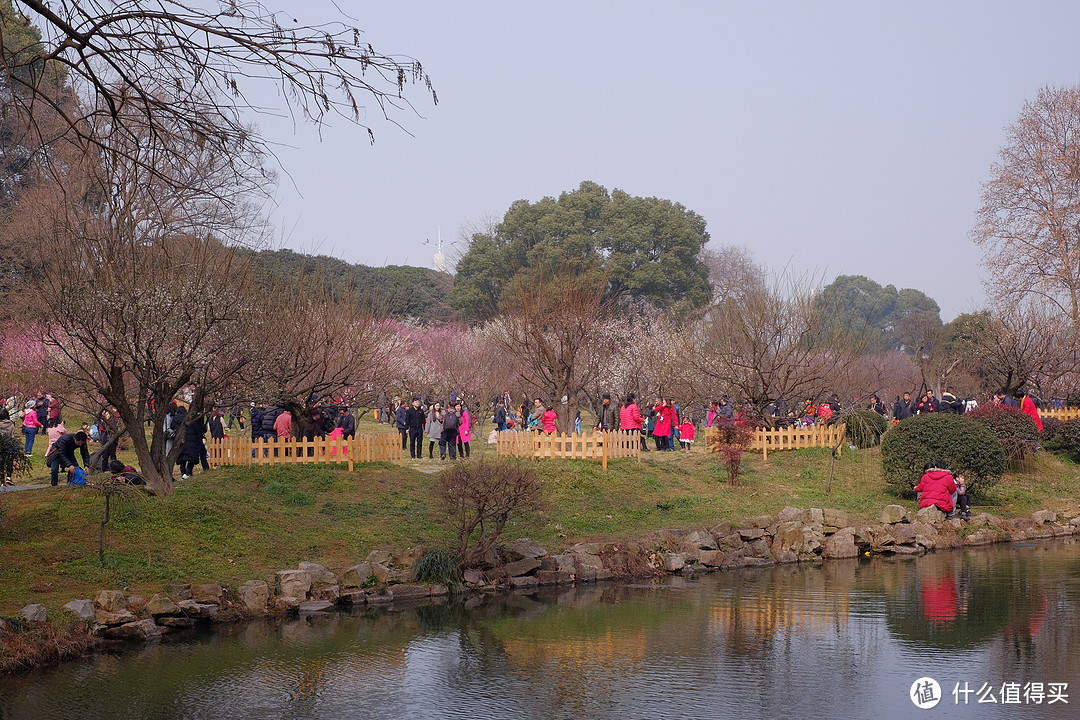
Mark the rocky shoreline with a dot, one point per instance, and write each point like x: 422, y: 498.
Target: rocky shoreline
x: 385, y: 580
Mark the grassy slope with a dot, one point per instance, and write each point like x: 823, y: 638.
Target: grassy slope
x: 234, y: 524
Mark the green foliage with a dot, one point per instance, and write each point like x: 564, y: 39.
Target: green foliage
x: 648, y: 247
x: 11, y: 449
x: 398, y: 291
x: 1062, y: 438
x: 964, y: 445
x: 865, y: 428
x: 1013, y: 428
x: 437, y: 566
x: 890, y: 319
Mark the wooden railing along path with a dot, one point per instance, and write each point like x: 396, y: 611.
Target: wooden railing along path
x: 382, y: 447
x: 790, y: 438
x: 587, y: 446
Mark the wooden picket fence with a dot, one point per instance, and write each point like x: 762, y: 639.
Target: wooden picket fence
x: 382, y: 447
x: 790, y: 438
x: 587, y: 446
x: 1063, y: 414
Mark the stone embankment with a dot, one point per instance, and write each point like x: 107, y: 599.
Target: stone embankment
x: 794, y: 535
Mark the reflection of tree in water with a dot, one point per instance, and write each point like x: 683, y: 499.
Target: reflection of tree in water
x: 577, y: 654
x: 964, y: 600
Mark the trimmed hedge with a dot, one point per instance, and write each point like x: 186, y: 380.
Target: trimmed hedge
x: 964, y: 445
x: 1014, y: 429
x: 865, y: 428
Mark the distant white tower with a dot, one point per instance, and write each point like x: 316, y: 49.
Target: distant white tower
x: 439, y: 261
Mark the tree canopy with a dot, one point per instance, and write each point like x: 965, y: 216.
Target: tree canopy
x: 648, y: 247
x: 891, y: 319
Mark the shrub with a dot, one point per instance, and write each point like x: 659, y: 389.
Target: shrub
x: 865, y: 428
x: 437, y: 566
x: 11, y: 449
x: 1013, y: 428
x: 478, y: 497
x: 964, y: 445
x: 731, y: 441
x: 1052, y: 430
x: 1066, y: 440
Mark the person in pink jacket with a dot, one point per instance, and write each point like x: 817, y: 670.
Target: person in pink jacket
x: 630, y: 418
x: 548, y: 420
x: 31, y: 426
x: 56, y: 431
x: 464, y: 430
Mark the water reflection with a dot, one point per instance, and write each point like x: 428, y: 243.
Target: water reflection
x: 845, y: 639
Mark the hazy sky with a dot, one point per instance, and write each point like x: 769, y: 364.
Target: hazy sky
x: 830, y: 137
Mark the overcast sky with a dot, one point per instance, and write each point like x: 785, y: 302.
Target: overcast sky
x: 829, y: 137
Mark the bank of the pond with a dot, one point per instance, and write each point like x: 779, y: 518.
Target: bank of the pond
x: 227, y: 545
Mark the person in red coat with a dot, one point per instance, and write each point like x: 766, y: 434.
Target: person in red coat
x: 665, y: 415
x: 630, y: 418
x: 1028, y: 406
x: 938, y: 487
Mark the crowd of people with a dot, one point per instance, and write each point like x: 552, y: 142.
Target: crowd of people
x: 448, y: 426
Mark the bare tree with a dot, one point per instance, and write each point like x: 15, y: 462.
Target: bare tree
x: 1029, y: 344
x: 770, y: 344
x: 1029, y: 221
x: 118, y: 55
x: 138, y: 295
x: 552, y: 324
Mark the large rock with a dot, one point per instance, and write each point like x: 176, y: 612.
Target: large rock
x: 785, y: 556
x: 474, y: 578
x: 527, y: 582
x: 674, y: 561
x: 523, y: 548
x: 731, y: 542
x: 721, y: 529
x: 160, y: 605
x: 104, y: 617
x: 554, y: 577
x: 176, y: 623
x: 410, y: 592
x: 558, y: 563
x: 788, y: 536
x: 711, y: 558
x: 1041, y: 517
x: 387, y: 574
x: 760, y: 521
x: 751, y: 533
x: 524, y: 566
x: 358, y: 575
x: 35, y: 613
x: 381, y: 557
x: 834, y: 519
x: 791, y: 514
x: 82, y: 609
x: 757, y: 548
x: 930, y: 514
x: 904, y: 532
x: 292, y: 583
x: 178, y: 591
x: 408, y: 558
x: 699, y: 540
x: 286, y: 604
x: 353, y: 597
x: 985, y: 536
x: 112, y: 601
x: 317, y: 573
x: 210, y: 593
x: 892, y: 514
x: 841, y: 545
x: 315, y: 606
x: 138, y: 630
x: 817, y: 516
x: 197, y: 610
x: 253, y: 596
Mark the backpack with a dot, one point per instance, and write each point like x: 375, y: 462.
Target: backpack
x: 77, y: 477
x: 95, y: 432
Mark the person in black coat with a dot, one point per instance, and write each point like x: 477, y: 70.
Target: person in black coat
x: 347, y: 423
x: 414, y: 423
x: 193, y: 448
x: 63, y: 452
x: 256, y: 421
x: 266, y: 425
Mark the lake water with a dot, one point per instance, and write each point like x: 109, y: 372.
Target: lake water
x: 840, y: 640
